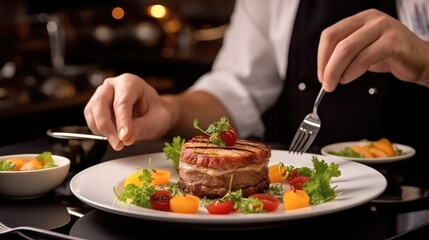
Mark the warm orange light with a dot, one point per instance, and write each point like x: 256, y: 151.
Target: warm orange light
x: 172, y: 26
x: 157, y: 11
x: 118, y: 13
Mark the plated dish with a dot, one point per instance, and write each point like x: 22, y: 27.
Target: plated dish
x: 407, y: 151
x: 357, y: 184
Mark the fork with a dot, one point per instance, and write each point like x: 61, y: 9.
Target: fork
x: 5, y: 229
x: 308, y: 129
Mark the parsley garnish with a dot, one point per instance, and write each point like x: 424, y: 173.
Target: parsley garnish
x: 319, y: 188
x: 215, y: 129
x: 172, y: 150
x: 139, y: 196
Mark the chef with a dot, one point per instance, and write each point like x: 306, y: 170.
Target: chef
x: 371, y: 56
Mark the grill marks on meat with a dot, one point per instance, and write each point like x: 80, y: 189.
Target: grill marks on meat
x: 205, y: 169
x: 199, y: 151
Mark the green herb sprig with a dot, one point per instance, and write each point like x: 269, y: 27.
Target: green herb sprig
x: 172, y: 150
x: 215, y: 129
x: 319, y: 188
x: 139, y: 196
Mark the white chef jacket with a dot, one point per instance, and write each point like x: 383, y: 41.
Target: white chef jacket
x: 249, y: 71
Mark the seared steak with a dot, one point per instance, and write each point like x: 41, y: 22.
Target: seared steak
x: 206, y: 169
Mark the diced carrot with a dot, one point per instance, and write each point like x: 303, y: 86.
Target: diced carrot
x: 364, y: 150
x: 275, y: 173
x: 377, y: 152
x: 160, y: 177
x: 385, y: 145
x: 32, y: 164
x: 294, y: 198
x: 185, y: 204
x: 19, y: 162
x: 133, y: 179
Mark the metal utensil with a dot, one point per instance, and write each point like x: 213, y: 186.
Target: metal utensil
x: 308, y: 129
x: 5, y: 229
x: 67, y: 135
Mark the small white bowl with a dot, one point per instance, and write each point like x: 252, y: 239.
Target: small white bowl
x: 32, y: 183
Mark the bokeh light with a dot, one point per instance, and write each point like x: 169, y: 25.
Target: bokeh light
x: 157, y: 11
x: 118, y: 13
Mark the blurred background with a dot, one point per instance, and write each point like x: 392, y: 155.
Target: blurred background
x: 53, y: 54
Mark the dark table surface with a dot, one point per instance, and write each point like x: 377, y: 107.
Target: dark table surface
x: 401, y: 212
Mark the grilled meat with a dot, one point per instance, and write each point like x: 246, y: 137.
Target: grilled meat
x: 206, y: 169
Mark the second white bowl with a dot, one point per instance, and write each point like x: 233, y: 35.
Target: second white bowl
x: 32, y: 183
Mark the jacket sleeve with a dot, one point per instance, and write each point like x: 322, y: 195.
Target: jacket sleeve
x: 248, y: 73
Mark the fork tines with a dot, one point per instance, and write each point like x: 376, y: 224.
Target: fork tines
x: 301, y: 142
x: 308, y: 129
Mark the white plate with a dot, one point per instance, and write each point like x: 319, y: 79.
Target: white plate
x: 357, y: 184
x: 406, y: 150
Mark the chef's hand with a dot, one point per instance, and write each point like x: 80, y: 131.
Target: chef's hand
x: 371, y: 40
x: 125, y: 109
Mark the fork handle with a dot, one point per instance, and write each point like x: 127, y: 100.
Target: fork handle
x: 318, y: 99
x: 48, y: 233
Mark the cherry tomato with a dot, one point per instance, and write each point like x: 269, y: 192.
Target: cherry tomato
x: 160, y: 200
x: 270, y: 202
x: 298, y: 182
x: 220, y: 207
x: 229, y: 137
x: 293, y: 174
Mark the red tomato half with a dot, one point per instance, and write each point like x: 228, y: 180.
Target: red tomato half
x: 160, y: 200
x: 293, y: 174
x: 270, y: 202
x: 220, y: 207
x: 298, y: 182
x: 229, y: 137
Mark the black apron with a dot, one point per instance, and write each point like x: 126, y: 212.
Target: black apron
x: 349, y: 113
